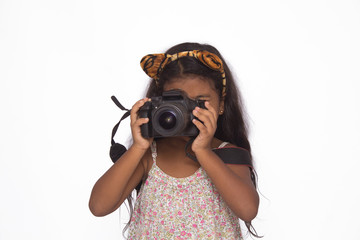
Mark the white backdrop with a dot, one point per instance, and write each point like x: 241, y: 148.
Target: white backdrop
x: 296, y: 62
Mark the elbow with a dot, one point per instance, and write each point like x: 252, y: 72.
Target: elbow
x: 97, y: 209
x: 101, y: 206
x: 249, y: 214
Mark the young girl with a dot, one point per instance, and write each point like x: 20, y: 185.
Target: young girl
x: 181, y: 198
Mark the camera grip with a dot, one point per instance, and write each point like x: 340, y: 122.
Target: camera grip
x: 144, y: 112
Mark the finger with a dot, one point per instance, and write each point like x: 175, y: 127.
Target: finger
x: 199, y: 125
x: 141, y: 121
x: 211, y: 109
x: 202, y: 115
x: 204, y: 125
x: 136, y: 126
x: 205, y: 116
x: 135, y: 109
x: 213, y: 112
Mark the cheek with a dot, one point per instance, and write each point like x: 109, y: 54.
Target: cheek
x: 215, y: 105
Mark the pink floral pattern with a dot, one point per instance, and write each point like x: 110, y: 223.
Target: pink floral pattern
x: 181, y: 208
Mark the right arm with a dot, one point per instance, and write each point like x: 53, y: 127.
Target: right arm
x: 119, y: 181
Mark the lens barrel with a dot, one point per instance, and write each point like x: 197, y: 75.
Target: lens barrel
x: 170, y: 119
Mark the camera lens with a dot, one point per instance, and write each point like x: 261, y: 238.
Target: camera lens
x: 167, y: 120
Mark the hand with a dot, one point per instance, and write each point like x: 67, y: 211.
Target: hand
x: 135, y: 123
x: 207, y: 129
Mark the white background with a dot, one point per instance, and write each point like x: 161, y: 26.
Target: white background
x: 296, y: 62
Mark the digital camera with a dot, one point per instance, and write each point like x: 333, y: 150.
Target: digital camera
x: 170, y: 115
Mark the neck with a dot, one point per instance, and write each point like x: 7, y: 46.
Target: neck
x: 176, y: 142
x: 180, y: 142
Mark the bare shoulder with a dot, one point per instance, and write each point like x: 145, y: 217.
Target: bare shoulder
x: 230, y: 145
x: 216, y: 143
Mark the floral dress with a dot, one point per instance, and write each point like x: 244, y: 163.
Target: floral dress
x: 181, y: 208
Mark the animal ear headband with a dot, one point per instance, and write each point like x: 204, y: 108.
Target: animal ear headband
x: 154, y: 64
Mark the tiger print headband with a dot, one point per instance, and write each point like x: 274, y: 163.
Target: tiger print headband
x: 154, y: 64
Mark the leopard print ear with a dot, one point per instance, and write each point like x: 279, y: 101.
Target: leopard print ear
x: 153, y: 64
x: 209, y: 59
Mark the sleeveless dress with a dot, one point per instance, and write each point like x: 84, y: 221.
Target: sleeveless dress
x: 181, y: 208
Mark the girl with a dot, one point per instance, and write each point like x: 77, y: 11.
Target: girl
x: 181, y: 198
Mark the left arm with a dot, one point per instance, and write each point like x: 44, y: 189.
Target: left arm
x: 232, y: 181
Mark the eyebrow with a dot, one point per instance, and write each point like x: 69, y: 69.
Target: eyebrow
x: 203, y: 96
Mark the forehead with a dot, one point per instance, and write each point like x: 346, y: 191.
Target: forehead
x: 194, y: 86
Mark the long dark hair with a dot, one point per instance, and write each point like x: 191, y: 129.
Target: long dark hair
x: 231, y: 126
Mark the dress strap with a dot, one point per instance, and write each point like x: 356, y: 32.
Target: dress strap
x: 223, y: 144
x: 153, y: 150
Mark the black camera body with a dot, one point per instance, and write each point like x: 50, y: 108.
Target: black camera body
x: 169, y: 115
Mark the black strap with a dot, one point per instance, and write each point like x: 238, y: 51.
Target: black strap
x: 234, y: 155
x: 119, y: 104
x: 116, y: 149
x: 122, y: 118
x: 229, y: 155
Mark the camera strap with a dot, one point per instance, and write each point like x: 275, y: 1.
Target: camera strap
x: 117, y: 149
x: 229, y: 155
